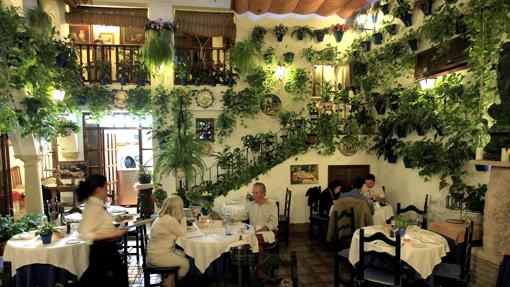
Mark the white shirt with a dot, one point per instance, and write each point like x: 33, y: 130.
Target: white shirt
x: 164, y: 232
x: 263, y: 215
x: 375, y: 191
x: 95, y: 220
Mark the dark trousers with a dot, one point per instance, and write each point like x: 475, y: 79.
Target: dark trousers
x: 105, y: 267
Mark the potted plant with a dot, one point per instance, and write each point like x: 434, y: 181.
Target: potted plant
x: 252, y: 142
x: 377, y: 37
x: 288, y: 57
x: 309, y: 54
x: 366, y: 43
x: 338, y: 30
x: 158, y: 48
x: 9, y: 227
x: 279, y: 31
x: 124, y: 71
x: 46, y: 232
x: 391, y: 29
x: 103, y: 71
x: 159, y: 195
x: 285, y: 118
x: 313, y: 110
x: 320, y: 33
x: 385, y: 144
x: 230, y: 75
x: 196, y: 73
x: 244, y: 56
x: 224, y: 158
x: 475, y: 202
x: 181, y: 71
x: 140, y: 72
x: 403, y: 12
x: 257, y: 37
x: 144, y: 175
x: 311, y: 135
x: 301, y: 32
x: 269, y: 55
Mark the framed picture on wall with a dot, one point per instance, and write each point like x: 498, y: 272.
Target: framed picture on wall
x: 106, y: 38
x: 132, y: 35
x: 80, y: 34
x: 304, y: 174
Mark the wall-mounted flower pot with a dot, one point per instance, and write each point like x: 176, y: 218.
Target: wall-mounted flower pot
x: 385, y: 8
x: 407, y: 20
x: 184, y: 81
x: 339, y: 35
x: 103, y: 81
x: 394, y: 106
x: 288, y: 57
x: 123, y: 81
x: 377, y: 38
x: 354, y: 106
x: 314, y: 115
x: 460, y: 25
x: 481, y: 167
x: 392, y: 29
x: 46, y: 238
x: 439, y: 131
x: 60, y: 61
x: 212, y: 82
x: 279, y: 38
x: 230, y: 83
x: 319, y: 37
x: 366, y: 46
x: 255, y: 147
x: 311, y: 138
x: 426, y: 8
x: 408, y: 163
x: 380, y: 108
x: 401, y: 132
x: 142, y: 81
x: 300, y: 36
x: 298, y: 123
x: 419, y: 130
x: 392, y: 158
x: 284, y: 131
x: 198, y: 82
x: 413, y: 44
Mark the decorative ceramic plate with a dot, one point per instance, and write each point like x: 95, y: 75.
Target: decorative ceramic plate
x: 345, y: 149
x: 271, y: 104
x: 204, y: 98
x: 121, y: 99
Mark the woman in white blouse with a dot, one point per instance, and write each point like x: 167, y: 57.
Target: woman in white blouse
x: 169, y: 225
x: 96, y: 228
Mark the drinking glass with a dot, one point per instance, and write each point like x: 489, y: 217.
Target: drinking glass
x: 393, y: 228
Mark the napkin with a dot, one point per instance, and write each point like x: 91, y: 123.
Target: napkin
x: 24, y: 236
x: 268, y: 236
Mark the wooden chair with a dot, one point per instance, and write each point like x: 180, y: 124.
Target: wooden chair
x: 413, y: 208
x: 316, y: 220
x: 342, y: 242
x: 368, y: 274
x: 284, y: 220
x: 458, y: 273
x: 5, y: 273
x: 149, y: 269
x: 16, y: 181
x: 270, y: 263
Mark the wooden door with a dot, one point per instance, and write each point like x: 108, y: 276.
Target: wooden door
x: 5, y: 177
x: 93, y: 139
x: 110, y: 161
x: 347, y: 173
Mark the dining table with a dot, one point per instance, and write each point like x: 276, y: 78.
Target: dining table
x: 422, y: 252
x: 36, y: 264
x: 208, y: 243
x: 382, y: 213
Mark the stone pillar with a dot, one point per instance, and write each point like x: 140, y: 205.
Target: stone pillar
x: 33, y: 191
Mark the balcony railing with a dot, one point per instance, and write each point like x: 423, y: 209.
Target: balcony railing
x: 90, y: 55
x: 204, y: 63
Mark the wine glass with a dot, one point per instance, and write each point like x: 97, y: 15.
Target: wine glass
x: 393, y: 228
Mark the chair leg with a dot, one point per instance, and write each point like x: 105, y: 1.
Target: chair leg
x: 138, y: 244
x: 337, y: 272
x: 146, y: 279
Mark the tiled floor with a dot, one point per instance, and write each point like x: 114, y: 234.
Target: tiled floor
x: 315, y: 264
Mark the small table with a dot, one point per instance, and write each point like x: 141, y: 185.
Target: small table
x: 208, y: 244
x: 61, y: 256
x: 382, y: 213
x: 422, y: 253
x: 455, y: 231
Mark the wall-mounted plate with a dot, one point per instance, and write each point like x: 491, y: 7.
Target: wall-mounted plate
x: 271, y: 104
x: 121, y: 99
x: 204, y: 98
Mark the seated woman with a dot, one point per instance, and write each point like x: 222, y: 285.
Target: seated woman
x: 328, y: 196
x: 170, y: 224
x: 96, y: 228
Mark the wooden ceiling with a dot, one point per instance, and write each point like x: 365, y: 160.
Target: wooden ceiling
x: 342, y: 8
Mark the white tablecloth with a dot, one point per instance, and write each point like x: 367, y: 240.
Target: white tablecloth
x: 213, y: 242
x: 238, y: 211
x: 423, y: 252
x: 382, y: 213
x: 71, y: 257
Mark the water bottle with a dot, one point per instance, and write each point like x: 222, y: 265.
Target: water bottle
x: 228, y: 223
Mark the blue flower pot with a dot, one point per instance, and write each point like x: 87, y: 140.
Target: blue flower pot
x: 413, y: 44
x: 300, y: 36
x: 401, y: 231
x: 420, y: 131
x: 354, y: 107
x: 212, y: 82
x: 401, y: 132
x: 279, y: 38
x: 319, y: 38
x: 184, y: 82
x: 392, y: 158
x: 407, y: 20
x: 366, y: 46
x: 385, y: 8
x: 142, y: 81
x: 230, y: 83
x: 408, y: 163
x: 123, y: 81
x: 46, y: 239
x: 484, y: 168
x: 339, y: 36
x: 198, y: 82
x: 103, y: 81
x: 377, y: 37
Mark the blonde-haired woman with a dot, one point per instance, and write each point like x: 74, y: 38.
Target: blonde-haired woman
x: 170, y: 224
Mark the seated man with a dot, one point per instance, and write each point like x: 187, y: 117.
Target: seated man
x: 356, y: 193
x: 372, y: 190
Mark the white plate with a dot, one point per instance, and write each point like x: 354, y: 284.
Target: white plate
x: 23, y: 236
x: 73, y: 241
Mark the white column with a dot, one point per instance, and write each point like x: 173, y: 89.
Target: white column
x: 33, y: 190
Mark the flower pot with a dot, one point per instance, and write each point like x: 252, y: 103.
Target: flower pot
x: 284, y: 131
x: 198, y: 82
x: 60, y: 61
x: 439, y: 131
x: 392, y: 29
x: 413, y: 44
x: 419, y: 130
x: 319, y: 38
x: 392, y: 158
x: 401, y: 231
x: 366, y: 46
x: 385, y: 8
x: 475, y: 216
x: 123, y: 80
x: 311, y: 138
x: 460, y: 26
x: 354, y: 107
x: 184, y: 81
x: 407, y: 20
x: 401, y: 132
x: 46, y: 238
x: 142, y: 81
x: 408, y: 163
x: 279, y: 38
x: 144, y: 178
x: 103, y: 81
x: 179, y: 173
x: 339, y: 35
x: 377, y: 38
x: 482, y: 167
x: 212, y: 82
x: 255, y: 146
x: 394, y: 106
x: 380, y: 108
x: 288, y: 57
x: 300, y: 36
x: 426, y: 8
x: 314, y: 115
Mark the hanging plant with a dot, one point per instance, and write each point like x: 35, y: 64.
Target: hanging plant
x: 298, y: 84
x: 391, y: 29
x: 403, y: 12
x: 98, y: 100
x: 301, y: 32
x: 309, y: 54
x: 244, y: 56
x: 139, y: 102
x: 39, y: 20
x: 158, y: 48
x: 257, y: 37
x: 288, y: 57
x: 279, y: 31
x: 338, y: 30
x: 269, y: 55
x: 320, y: 33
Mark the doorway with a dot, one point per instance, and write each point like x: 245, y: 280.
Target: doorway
x: 347, y: 173
x: 116, y: 147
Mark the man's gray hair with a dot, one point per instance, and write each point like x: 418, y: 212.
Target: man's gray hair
x: 261, y: 185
